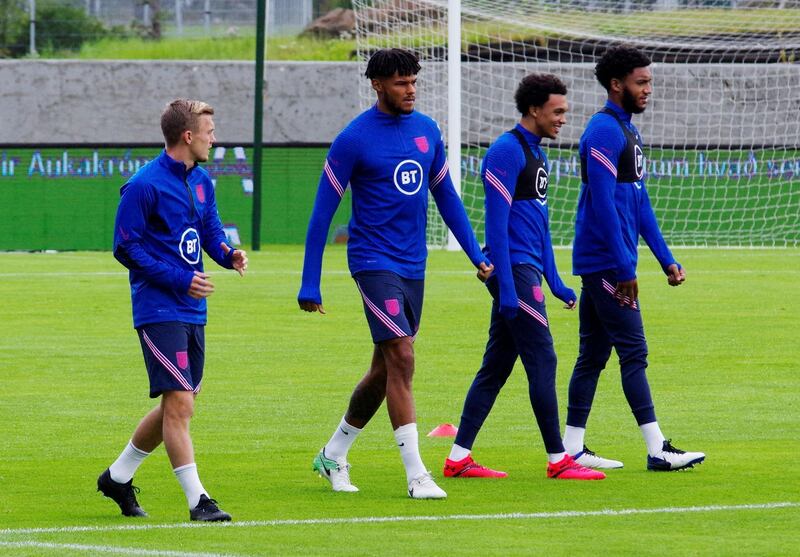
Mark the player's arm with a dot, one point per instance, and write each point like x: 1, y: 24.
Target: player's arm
x: 651, y: 232
x: 134, y: 210
x: 335, y: 177
x: 603, y: 148
x: 550, y: 272
x: 549, y: 269
x: 453, y: 213
x: 501, y: 162
x: 214, y: 242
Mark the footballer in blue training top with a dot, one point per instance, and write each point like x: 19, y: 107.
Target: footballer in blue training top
x: 515, y: 178
x: 392, y: 158
x: 167, y: 217
x: 613, y: 211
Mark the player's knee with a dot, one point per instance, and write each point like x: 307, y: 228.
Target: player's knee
x: 399, y: 357
x: 375, y: 374
x: 595, y: 361
x: 539, y: 364
x: 178, y: 406
x: 548, y: 361
x: 404, y: 360
x: 631, y: 369
x: 633, y: 355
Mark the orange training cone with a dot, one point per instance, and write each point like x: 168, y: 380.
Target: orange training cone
x: 444, y: 430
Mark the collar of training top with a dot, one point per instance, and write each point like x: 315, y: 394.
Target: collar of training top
x: 178, y: 168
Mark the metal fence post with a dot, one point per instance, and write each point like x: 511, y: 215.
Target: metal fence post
x: 32, y: 14
x: 207, y: 16
x: 179, y: 16
x: 262, y: 26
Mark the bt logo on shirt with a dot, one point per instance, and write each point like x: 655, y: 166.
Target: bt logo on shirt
x: 541, y: 183
x: 190, y: 246
x: 638, y: 161
x: 408, y: 177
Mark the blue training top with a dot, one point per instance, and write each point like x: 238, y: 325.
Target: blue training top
x: 391, y: 163
x: 166, y: 214
x: 517, y: 226
x: 614, y: 207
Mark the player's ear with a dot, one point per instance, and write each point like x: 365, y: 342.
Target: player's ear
x: 377, y: 85
x: 187, y: 136
x: 616, y: 85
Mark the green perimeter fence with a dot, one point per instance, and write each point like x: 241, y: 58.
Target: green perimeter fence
x: 65, y: 198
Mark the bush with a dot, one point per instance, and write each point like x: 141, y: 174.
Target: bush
x: 13, y: 20
x: 58, y: 28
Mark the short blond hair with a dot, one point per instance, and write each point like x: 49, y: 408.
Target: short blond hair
x: 181, y: 115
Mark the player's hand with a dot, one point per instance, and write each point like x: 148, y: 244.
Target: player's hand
x: 569, y: 298
x: 308, y: 305
x: 484, y: 271
x: 238, y: 259
x: 200, y: 287
x: 627, y: 292
x: 675, y: 275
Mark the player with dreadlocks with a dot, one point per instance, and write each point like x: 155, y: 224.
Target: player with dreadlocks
x: 391, y: 157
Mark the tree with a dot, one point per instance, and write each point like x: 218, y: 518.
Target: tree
x: 13, y: 20
x: 63, y: 27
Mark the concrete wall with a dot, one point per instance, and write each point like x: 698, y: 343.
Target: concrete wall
x: 67, y: 101
x: 120, y: 101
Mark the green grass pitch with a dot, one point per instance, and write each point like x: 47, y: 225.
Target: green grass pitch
x: 723, y: 370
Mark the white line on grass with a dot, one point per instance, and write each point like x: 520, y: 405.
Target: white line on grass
x: 106, y: 549
x: 413, y: 518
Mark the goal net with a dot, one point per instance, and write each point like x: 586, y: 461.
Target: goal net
x: 721, y: 132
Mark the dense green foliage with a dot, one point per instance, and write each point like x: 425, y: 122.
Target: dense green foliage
x: 60, y: 28
x: 12, y: 22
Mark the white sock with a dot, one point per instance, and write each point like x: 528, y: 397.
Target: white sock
x: 653, y: 438
x: 341, y: 441
x: 458, y: 453
x: 573, y: 439
x: 552, y: 458
x: 408, y: 441
x: 127, y: 462
x: 190, y: 482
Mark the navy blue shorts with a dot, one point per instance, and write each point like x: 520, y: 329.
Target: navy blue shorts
x: 174, y: 354
x: 392, y: 304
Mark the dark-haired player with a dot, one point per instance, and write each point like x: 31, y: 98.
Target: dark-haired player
x: 613, y: 211
x: 515, y: 178
x: 391, y: 157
